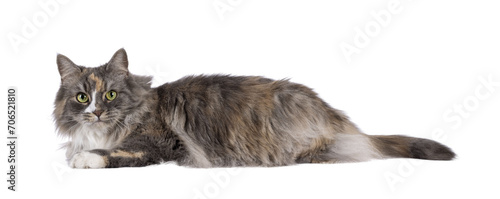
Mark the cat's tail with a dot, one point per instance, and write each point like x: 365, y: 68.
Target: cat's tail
x: 398, y: 146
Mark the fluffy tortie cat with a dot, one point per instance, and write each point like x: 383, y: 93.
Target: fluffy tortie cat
x: 113, y: 118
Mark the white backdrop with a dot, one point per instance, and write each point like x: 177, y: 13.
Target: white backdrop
x: 421, y: 68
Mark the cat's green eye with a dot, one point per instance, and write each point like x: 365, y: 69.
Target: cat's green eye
x: 82, y: 98
x: 111, y: 95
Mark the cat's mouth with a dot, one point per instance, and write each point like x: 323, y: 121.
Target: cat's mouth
x: 100, y: 120
x: 98, y: 123
x: 103, y: 119
x: 94, y: 119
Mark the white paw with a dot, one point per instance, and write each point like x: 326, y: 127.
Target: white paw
x: 86, y: 160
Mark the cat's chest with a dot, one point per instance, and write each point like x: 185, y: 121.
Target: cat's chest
x: 93, y: 138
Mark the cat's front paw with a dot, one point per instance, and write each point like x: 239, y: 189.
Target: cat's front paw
x: 87, y: 160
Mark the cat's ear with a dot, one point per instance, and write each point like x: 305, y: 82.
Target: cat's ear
x: 119, y: 62
x: 66, y: 67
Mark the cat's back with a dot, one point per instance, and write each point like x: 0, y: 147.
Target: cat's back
x: 196, y: 83
x: 222, y: 117
x: 212, y: 91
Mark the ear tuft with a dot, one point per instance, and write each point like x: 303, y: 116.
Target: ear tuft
x: 119, y: 62
x: 66, y: 67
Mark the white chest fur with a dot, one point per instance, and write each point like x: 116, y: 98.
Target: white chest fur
x: 88, y: 138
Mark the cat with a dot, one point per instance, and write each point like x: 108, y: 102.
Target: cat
x: 114, y: 118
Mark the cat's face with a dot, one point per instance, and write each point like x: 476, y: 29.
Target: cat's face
x: 97, y: 98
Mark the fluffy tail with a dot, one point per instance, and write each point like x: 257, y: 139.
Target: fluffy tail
x: 397, y: 146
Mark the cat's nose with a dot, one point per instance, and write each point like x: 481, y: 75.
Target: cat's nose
x: 97, y: 113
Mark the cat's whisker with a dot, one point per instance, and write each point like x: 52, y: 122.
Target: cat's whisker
x: 119, y: 123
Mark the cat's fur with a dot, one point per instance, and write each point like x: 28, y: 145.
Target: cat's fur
x: 210, y: 121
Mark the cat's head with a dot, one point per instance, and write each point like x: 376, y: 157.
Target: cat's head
x: 98, y: 98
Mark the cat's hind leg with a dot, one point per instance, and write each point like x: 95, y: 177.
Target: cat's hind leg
x: 345, y: 147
